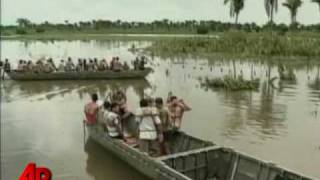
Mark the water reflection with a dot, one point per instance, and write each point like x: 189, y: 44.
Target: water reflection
x: 40, y: 90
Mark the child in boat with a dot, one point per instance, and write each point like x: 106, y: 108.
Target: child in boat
x: 150, y: 129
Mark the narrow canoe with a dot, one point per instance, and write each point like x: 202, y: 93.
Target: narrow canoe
x: 194, y: 159
x: 127, y: 74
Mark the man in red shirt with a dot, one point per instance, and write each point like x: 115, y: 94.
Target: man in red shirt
x: 91, y: 110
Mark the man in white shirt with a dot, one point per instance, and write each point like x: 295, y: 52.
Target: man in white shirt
x: 113, y: 123
x: 150, y: 129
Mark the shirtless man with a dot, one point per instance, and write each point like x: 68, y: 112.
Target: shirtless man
x: 177, y: 108
x: 91, y: 110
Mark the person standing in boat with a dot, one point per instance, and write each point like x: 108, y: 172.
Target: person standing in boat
x: 177, y: 108
x: 91, y: 110
x: 167, y: 125
x: 150, y: 129
x: 6, y: 68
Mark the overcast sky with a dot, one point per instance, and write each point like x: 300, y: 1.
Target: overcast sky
x: 145, y: 10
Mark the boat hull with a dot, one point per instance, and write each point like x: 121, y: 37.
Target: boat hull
x: 195, y: 160
x: 150, y: 167
x: 130, y: 74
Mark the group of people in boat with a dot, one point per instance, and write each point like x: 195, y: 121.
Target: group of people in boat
x: 90, y: 65
x: 155, y: 119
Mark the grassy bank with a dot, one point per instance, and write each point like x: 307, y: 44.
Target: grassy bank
x: 241, y: 44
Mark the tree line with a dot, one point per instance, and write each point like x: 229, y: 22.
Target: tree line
x: 165, y: 25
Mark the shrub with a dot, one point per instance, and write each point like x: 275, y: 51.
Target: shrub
x: 21, y: 31
x: 40, y: 30
x: 202, y: 30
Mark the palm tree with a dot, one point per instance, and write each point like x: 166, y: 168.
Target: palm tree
x: 293, y: 6
x: 316, y: 1
x: 271, y: 7
x: 235, y: 7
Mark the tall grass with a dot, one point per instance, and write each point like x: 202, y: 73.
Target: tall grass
x: 244, y: 44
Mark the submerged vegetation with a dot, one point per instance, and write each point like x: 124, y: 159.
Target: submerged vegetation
x: 231, y: 83
x: 286, y: 74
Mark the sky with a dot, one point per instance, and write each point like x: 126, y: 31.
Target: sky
x: 57, y: 11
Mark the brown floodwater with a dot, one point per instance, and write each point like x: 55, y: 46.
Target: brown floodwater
x: 42, y: 121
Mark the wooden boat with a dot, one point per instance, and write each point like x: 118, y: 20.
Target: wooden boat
x: 194, y: 159
x: 127, y: 74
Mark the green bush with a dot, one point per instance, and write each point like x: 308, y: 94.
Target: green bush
x: 21, y: 31
x: 40, y: 30
x: 202, y: 30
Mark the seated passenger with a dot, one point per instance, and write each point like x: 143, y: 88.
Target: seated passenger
x: 85, y: 65
x: 142, y: 63
x: 112, y: 63
x: 150, y: 129
x: 91, y: 67
x: 70, y: 66
x: 79, y: 67
x: 52, y: 64
x: 113, y: 121
x: 30, y: 66
x: 117, y: 66
x: 96, y: 64
x: 136, y: 63
x: 126, y: 66
x: 103, y: 65
x: 48, y: 68
x: 20, y: 66
x: 61, y: 67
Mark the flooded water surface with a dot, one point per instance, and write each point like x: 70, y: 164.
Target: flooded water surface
x: 42, y: 121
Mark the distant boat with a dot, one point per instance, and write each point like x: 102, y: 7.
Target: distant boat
x: 85, y: 75
x: 193, y: 159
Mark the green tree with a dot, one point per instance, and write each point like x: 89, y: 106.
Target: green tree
x: 271, y: 7
x: 293, y: 6
x: 23, y: 22
x: 235, y: 7
x: 316, y: 1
